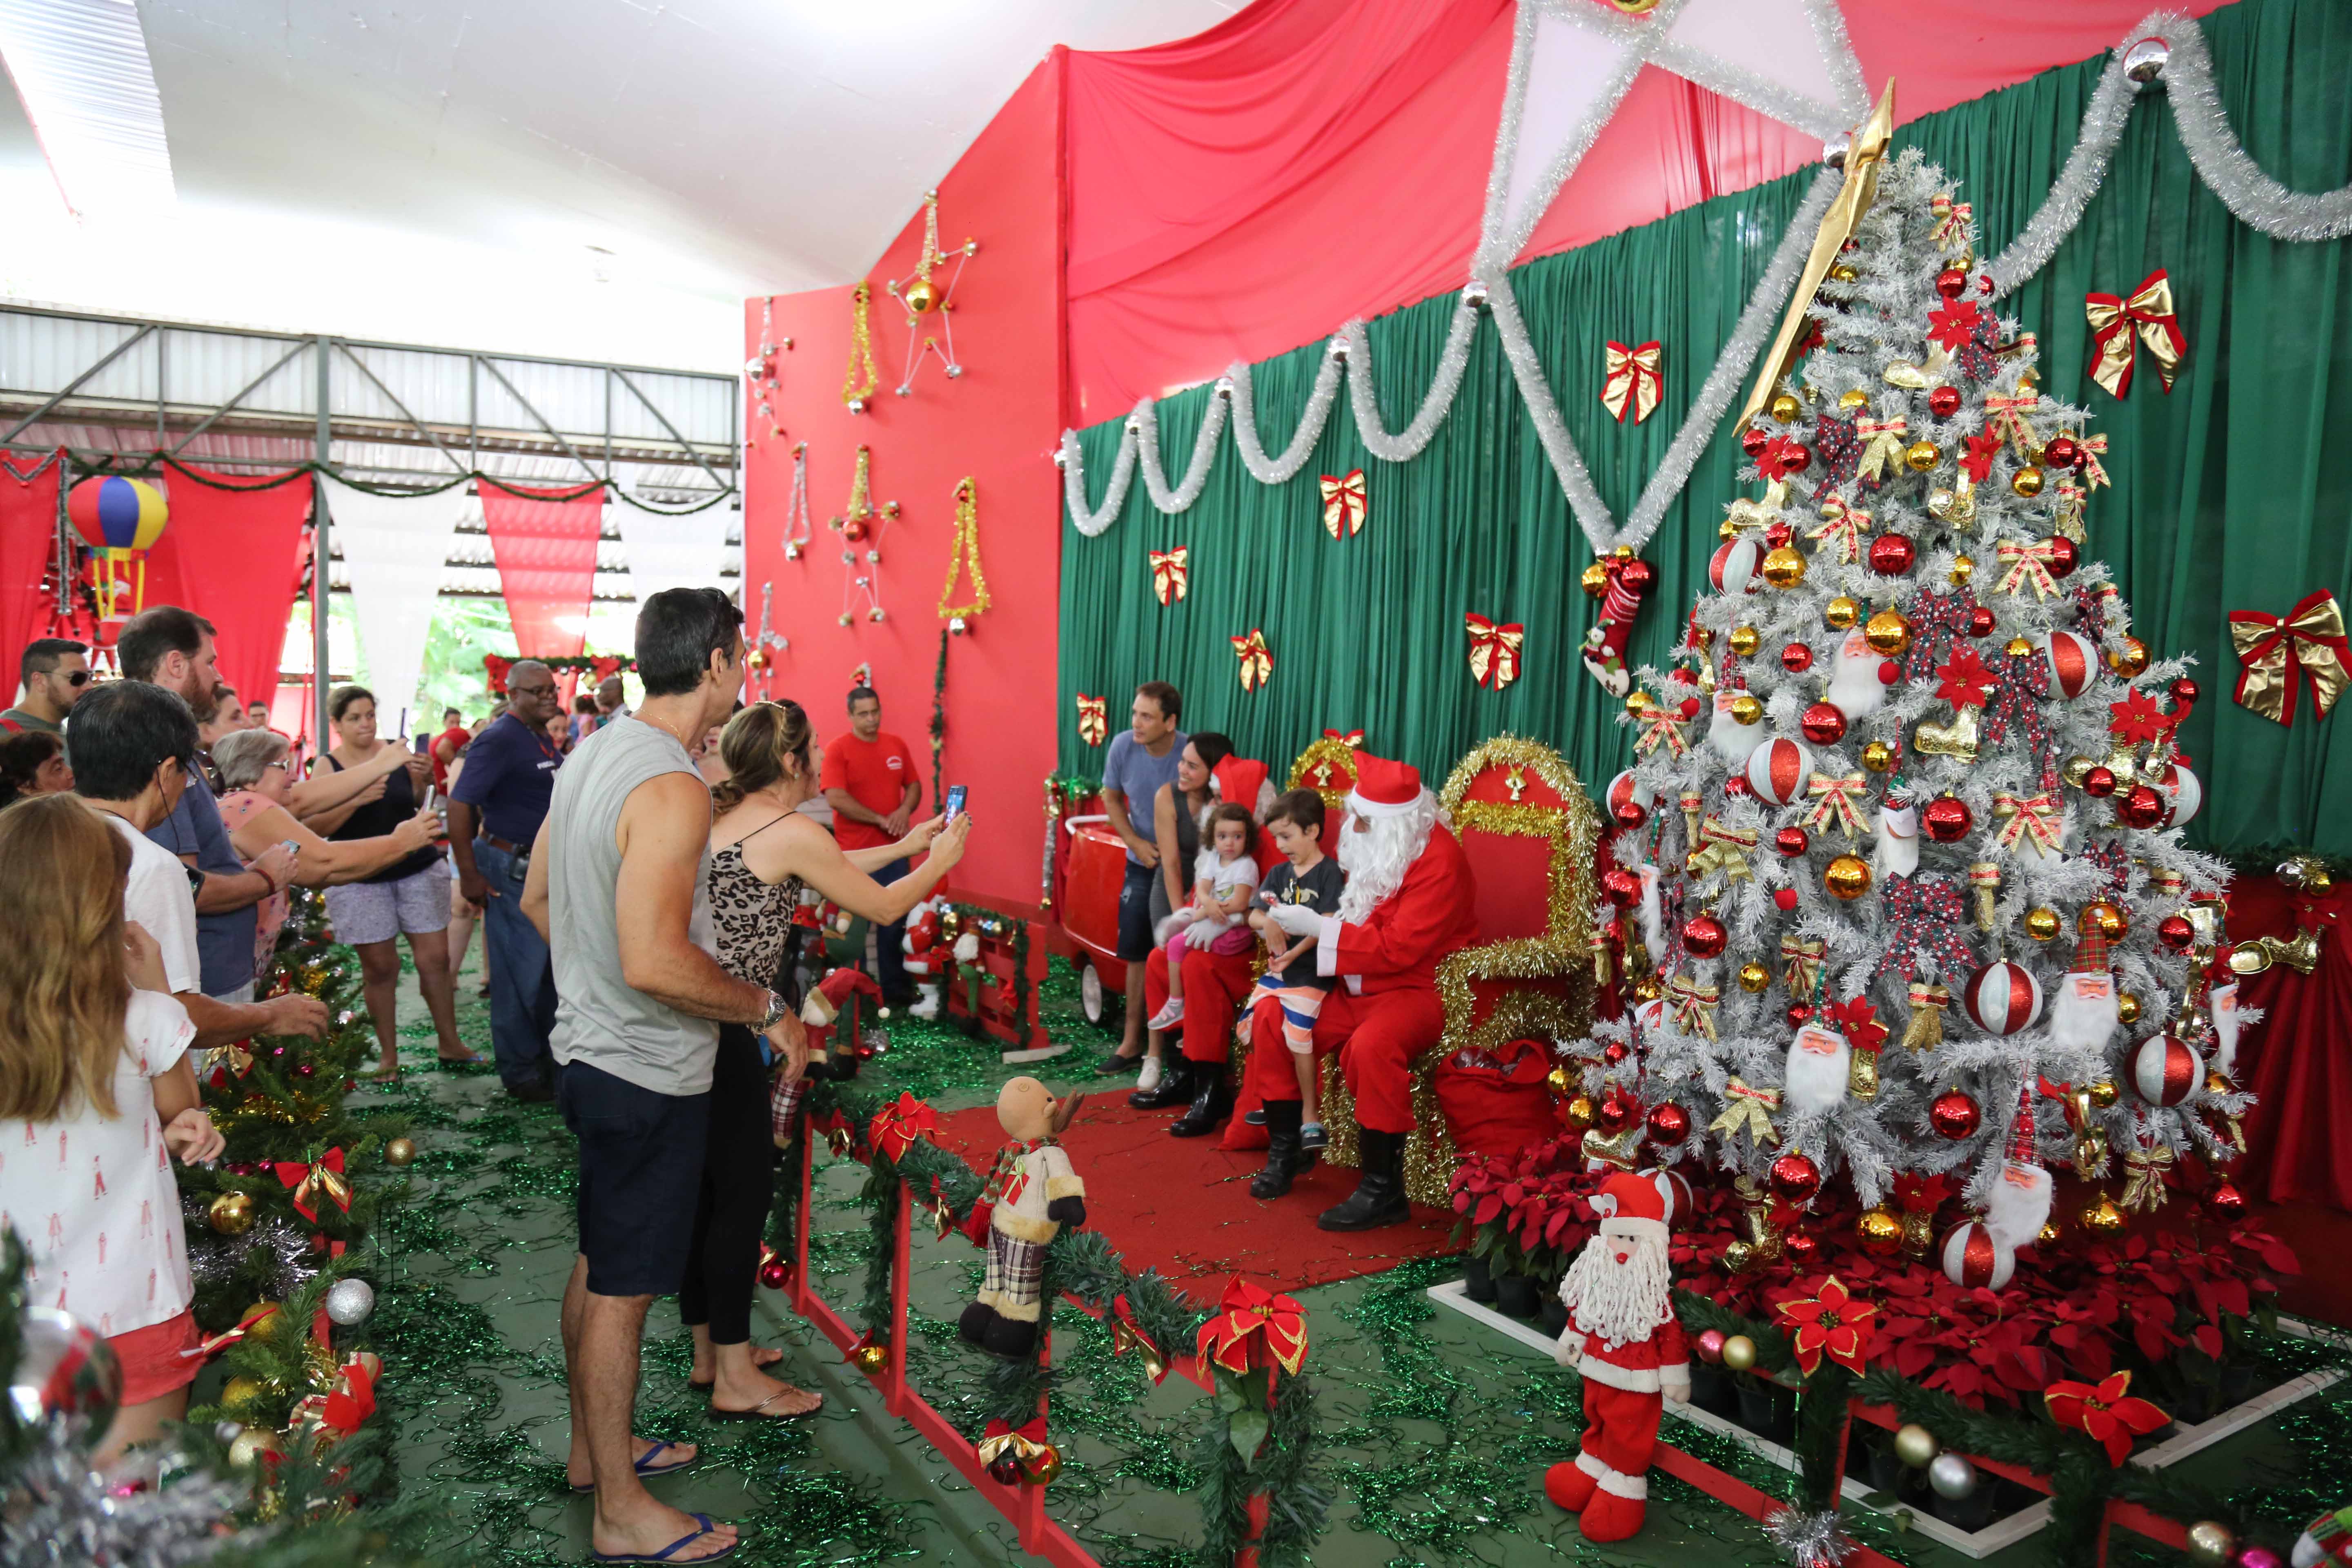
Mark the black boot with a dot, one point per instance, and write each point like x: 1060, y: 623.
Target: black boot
x: 1212, y: 1103
x: 1378, y: 1198
x: 1177, y: 1087
x: 1284, y: 1159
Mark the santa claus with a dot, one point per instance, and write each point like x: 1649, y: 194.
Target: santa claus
x: 1408, y: 906
x: 1624, y: 1341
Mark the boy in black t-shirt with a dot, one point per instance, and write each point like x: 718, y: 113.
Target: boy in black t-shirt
x: 1310, y: 879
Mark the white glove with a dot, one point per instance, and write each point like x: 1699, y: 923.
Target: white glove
x: 1203, y: 932
x: 1297, y: 919
x: 1674, y: 1382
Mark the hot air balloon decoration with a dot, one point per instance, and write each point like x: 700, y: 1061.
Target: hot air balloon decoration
x: 119, y: 519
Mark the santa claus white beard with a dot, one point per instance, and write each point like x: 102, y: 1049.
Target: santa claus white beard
x: 1854, y: 686
x: 1816, y: 1081
x: 1377, y: 858
x: 2021, y: 1202
x: 2084, y: 1011
x: 1623, y: 1303
x: 1732, y: 740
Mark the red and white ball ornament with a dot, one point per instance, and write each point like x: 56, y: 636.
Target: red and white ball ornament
x: 1733, y: 568
x: 1777, y: 768
x: 2165, y: 1071
x: 1973, y: 1260
x: 2002, y: 998
x: 1627, y: 796
x: 2073, y: 662
x: 2182, y: 793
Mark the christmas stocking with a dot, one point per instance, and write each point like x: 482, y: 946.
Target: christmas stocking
x: 1604, y: 645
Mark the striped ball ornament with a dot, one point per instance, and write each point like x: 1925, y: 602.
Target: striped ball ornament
x: 1973, y: 1258
x: 1733, y: 567
x: 2073, y: 662
x: 1626, y: 788
x: 2002, y: 998
x: 1777, y: 768
x: 2165, y: 1071
x: 2182, y: 793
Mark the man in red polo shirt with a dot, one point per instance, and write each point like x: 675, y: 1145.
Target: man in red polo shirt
x: 869, y: 779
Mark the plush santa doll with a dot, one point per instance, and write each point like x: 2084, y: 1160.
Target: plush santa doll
x: 2327, y: 1542
x: 818, y: 1011
x: 1623, y: 1339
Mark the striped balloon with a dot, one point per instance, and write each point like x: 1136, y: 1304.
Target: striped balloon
x: 111, y: 512
x: 1733, y: 568
x: 2165, y: 1071
x: 1973, y: 1258
x: 1777, y: 768
x: 2073, y: 662
x: 2002, y: 998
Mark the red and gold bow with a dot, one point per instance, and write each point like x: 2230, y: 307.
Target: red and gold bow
x: 1094, y: 719
x: 1804, y: 958
x: 2008, y: 419
x: 1353, y: 738
x: 899, y: 1127
x: 236, y: 1056
x: 2118, y: 326
x: 1248, y: 1318
x: 2026, y: 565
x: 1661, y: 726
x: 1344, y: 504
x: 1257, y: 659
x: 1749, y: 1108
x: 496, y: 667
x: 2094, y: 473
x: 1494, y: 650
x: 1841, y: 527
x: 1001, y: 1439
x: 325, y: 1178
x: 1127, y: 1334
x: 2029, y: 816
x: 1952, y: 219
x: 326, y: 1419
x: 1632, y: 381
x: 1882, y: 451
x: 1169, y: 574
x: 1838, y: 802
x: 1692, y: 1005
x: 1722, y: 848
x: 2308, y: 642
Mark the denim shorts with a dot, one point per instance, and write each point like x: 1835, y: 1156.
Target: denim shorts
x: 641, y: 1156
x: 1135, y: 912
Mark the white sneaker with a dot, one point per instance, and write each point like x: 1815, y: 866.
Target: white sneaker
x: 1170, y: 1013
x: 1149, y: 1079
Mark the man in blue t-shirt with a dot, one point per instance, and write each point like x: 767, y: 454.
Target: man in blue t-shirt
x: 1142, y: 758
x: 494, y: 814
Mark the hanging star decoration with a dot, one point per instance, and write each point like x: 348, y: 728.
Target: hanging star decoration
x: 1833, y: 1322
x: 1345, y: 504
x: 2119, y: 327
x: 1171, y: 571
x: 2106, y: 1414
x: 1494, y: 650
x: 1630, y: 384
x: 1257, y: 659
x: 1094, y: 719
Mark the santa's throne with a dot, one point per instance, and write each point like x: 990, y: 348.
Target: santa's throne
x: 1526, y: 981
x: 1328, y: 767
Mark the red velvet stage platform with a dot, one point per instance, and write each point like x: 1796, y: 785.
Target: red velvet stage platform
x: 1182, y: 1205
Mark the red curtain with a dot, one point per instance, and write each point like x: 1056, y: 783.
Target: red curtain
x: 2294, y: 1060
x: 29, y: 535
x: 545, y: 542
x: 235, y: 557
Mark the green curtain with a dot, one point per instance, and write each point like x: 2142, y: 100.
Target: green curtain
x: 2227, y: 494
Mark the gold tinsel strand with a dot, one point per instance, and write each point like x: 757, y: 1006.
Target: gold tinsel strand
x: 859, y: 383
x: 963, y: 555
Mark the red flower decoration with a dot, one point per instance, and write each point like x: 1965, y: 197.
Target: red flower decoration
x: 1982, y: 448
x: 2106, y: 1412
x: 895, y: 1128
x: 1967, y: 680
x: 1859, y: 1021
x: 1247, y: 1315
x: 1832, y: 1321
x: 1953, y: 323
x: 1779, y: 458
x: 2138, y: 717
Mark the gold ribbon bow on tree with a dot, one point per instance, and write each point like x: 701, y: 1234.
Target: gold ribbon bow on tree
x: 2119, y: 326
x: 2007, y: 417
x: 1022, y: 1444
x: 1127, y: 1334
x: 1170, y: 572
x: 1344, y: 504
x: 1661, y: 726
x: 2308, y: 642
x: 1952, y: 220
x: 1804, y: 955
x: 1722, y: 849
x: 323, y: 1178
x: 1632, y: 382
x: 1749, y: 1108
x: 1094, y: 719
x: 2026, y: 565
x: 1837, y: 801
x: 2033, y: 816
x: 2144, y: 1178
x: 1841, y: 527
x: 1494, y: 650
x: 235, y: 1057
x: 1257, y: 659
x: 1882, y: 451
x: 2094, y: 473
x: 1693, y: 1006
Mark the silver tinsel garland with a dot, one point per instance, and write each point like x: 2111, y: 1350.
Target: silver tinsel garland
x: 1808, y: 1539
x: 59, y: 1512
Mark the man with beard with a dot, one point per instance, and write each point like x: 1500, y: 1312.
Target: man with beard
x: 1624, y: 1341
x: 1408, y: 906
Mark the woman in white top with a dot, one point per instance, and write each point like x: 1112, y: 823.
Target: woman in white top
x: 96, y: 1093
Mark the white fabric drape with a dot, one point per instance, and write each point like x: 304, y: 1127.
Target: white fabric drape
x: 394, y: 549
x: 680, y: 551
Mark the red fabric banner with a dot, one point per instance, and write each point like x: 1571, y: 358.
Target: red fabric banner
x: 28, y: 533
x: 235, y: 557
x: 545, y: 542
x: 2294, y: 1060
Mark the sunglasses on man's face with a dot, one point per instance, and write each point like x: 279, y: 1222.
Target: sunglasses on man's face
x: 77, y: 678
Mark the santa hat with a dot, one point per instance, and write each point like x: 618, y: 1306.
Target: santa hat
x: 1383, y: 788
x: 1626, y: 1199
x: 2090, y: 950
x: 1240, y: 780
x: 2020, y: 1150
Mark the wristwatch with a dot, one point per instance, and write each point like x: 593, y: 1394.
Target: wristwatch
x: 777, y: 1008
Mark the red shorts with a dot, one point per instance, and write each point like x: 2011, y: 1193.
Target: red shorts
x: 152, y: 1365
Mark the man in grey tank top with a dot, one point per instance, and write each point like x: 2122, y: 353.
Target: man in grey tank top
x: 614, y: 878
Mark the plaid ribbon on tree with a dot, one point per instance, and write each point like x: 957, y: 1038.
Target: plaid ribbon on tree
x: 1924, y: 914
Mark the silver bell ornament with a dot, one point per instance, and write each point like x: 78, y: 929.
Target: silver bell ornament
x: 1951, y: 1476
x: 2144, y: 61
x: 349, y: 1301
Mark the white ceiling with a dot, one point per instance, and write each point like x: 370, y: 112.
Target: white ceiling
x: 584, y: 178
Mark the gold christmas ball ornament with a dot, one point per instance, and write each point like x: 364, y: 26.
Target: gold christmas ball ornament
x: 871, y: 1358
x: 1887, y: 632
x: 2126, y: 1008
x: 2026, y: 481
x: 2103, y: 1093
x: 1635, y: 7
x: 2106, y: 919
x: 922, y: 296
x: 1963, y: 568
x: 1784, y: 567
x: 1746, y: 640
x: 1843, y: 273
x: 2076, y: 771
x: 1041, y: 1469
x: 1649, y: 988
x: 2212, y: 1543
x: 1559, y: 1081
x: 2131, y: 660
x: 2041, y: 923
x: 252, y: 1446
x: 2048, y: 1235
x: 261, y: 1320
x: 1754, y: 978
x: 1915, y: 1447
x: 231, y: 1214
x: 1847, y: 877
x: 2103, y: 1218
x: 1880, y: 1232
x: 1595, y: 579
x: 1841, y: 613
x: 1578, y: 1112
x: 241, y: 1394
x: 2216, y: 1083
x: 1637, y: 702
x: 1739, y: 1353
x: 1877, y: 757
x: 1747, y: 708
x: 2018, y: 648
x: 1921, y: 456
x: 1785, y: 407
x: 1853, y: 399
x: 400, y: 1151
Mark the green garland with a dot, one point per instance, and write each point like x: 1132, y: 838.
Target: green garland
x: 133, y: 464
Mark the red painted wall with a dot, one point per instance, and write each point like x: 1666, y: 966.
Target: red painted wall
x: 999, y: 423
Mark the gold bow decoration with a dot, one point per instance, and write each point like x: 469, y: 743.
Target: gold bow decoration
x: 1952, y: 220
x: 1749, y: 1108
x: 2144, y: 1178
x: 233, y: 1058
x: 1882, y: 451
x: 2033, y: 816
x: 1023, y: 1444
x: 1172, y: 573
x: 1494, y: 650
x: 1127, y: 1334
x: 1841, y: 527
x: 1838, y: 800
x: 1094, y: 719
x: 1804, y: 957
x: 2006, y: 415
x: 1661, y: 726
x: 1925, y: 1029
x: 1345, y: 504
x: 2093, y: 448
x: 1693, y: 1006
x: 2026, y: 566
x: 1603, y: 949
x: 2308, y: 642
x: 323, y: 1178
x: 1257, y: 659
x: 2074, y: 504
x: 1723, y: 849
x: 2120, y: 327
x: 1632, y: 382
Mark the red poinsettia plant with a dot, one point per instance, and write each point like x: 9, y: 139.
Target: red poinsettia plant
x: 1531, y: 1206
x: 2107, y: 1413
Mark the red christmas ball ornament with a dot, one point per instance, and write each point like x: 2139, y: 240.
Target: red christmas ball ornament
x: 2226, y: 1202
x: 2142, y: 807
x: 1689, y: 707
x: 1791, y: 841
x: 1797, y: 657
x: 1800, y: 1248
x: 2100, y: 781
x: 1944, y: 402
x: 1891, y: 555
x: 2175, y: 932
x: 1951, y: 283
x: 1681, y: 675
x: 1785, y: 900
x: 1630, y: 815
x: 1823, y: 724
x: 1795, y: 1179
x: 2184, y: 691
x: 1777, y: 533
x: 1753, y: 440
x: 1948, y: 819
x: 1798, y: 1015
x: 1618, y: 1111
x: 1617, y: 1052
x: 1708, y: 1347
x: 1637, y: 577
x: 1954, y: 1115
x: 1984, y: 283
x: 1620, y: 887
x: 1669, y: 1124
x: 2061, y: 452
x: 1981, y: 621
x: 306, y: 1069
x: 2064, y: 555
x: 773, y: 1275
x: 1889, y: 672
x: 1737, y: 785
x: 1704, y: 936
x: 1796, y: 459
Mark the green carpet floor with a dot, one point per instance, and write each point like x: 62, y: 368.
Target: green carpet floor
x: 1437, y: 1428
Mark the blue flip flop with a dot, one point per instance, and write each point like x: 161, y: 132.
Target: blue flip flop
x: 646, y: 1471
x: 702, y: 1528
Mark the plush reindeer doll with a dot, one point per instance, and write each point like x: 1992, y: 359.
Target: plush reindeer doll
x: 1032, y: 1194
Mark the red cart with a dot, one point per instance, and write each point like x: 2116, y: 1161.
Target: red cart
x: 1089, y: 868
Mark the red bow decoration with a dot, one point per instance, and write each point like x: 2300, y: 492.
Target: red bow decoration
x: 1127, y: 1334
x: 1094, y: 719
x: 497, y: 668
x: 310, y: 1181
x: 1632, y: 382
x: 899, y: 1128
x: 1170, y: 573
x: 1494, y: 650
x: 2309, y: 642
x: 1257, y: 659
x: 1353, y: 738
x: 1002, y: 1439
x: 2106, y: 1412
x: 1248, y: 1317
x: 1344, y: 504
x: 1833, y: 1321
x: 2119, y: 326
x: 1952, y: 220
x: 604, y: 666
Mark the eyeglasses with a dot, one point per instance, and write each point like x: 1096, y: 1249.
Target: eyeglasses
x: 283, y: 763
x: 546, y: 690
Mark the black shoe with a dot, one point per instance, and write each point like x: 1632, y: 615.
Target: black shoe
x: 1378, y: 1198
x: 1113, y: 1064
x: 535, y: 1092
x: 1255, y: 1117
x: 1212, y: 1102
x: 1178, y: 1084
x: 1284, y: 1159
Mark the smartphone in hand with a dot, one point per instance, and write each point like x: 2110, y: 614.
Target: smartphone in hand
x: 955, y: 802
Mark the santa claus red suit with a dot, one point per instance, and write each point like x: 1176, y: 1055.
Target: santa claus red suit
x: 1624, y: 1342
x: 1409, y: 905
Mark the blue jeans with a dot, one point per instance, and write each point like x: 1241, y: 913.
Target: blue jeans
x: 887, y: 952
x: 522, y: 976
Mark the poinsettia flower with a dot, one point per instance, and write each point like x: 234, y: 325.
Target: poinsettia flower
x: 1982, y: 449
x: 1779, y: 458
x: 1250, y: 1313
x: 2136, y: 719
x: 1953, y: 323
x: 1857, y: 1018
x: 2106, y: 1412
x: 1832, y: 1321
